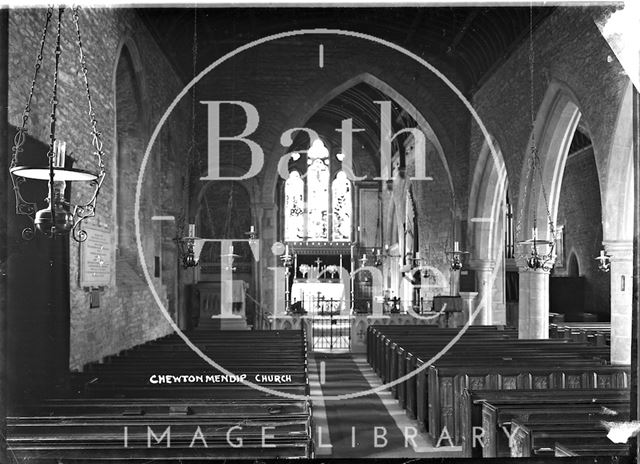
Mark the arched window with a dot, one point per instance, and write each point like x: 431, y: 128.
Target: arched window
x: 294, y: 207
x: 341, y: 193
x: 328, y: 204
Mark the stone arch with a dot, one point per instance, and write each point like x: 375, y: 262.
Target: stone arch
x: 573, y: 267
x: 486, y: 198
x: 225, y: 171
x: 617, y: 211
x: 130, y: 133
x: 271, y: 163
x: 486, y: 232
x: 617, y: 228
x: 555, y: 124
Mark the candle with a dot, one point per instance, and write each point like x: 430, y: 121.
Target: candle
x: 417, y: 255
x: 253, y: 229
x: 286, y: 249
x: 192, y: 230
x: 230, y: 249
x: 602, y: 253
x: 534, y: 233
x: 456, y: 246
x: 364, y: 256
x: 59, y: 151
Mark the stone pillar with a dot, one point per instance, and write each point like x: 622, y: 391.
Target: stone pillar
x: 484, y: 272
x: 533, y: 305
x: 267, y: 212
x: 621, y: 272
x: 468, y: 308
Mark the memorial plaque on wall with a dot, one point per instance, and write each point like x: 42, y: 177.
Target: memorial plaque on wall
x: 95, y: 257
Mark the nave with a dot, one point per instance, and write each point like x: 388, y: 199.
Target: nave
x: 435, y: 202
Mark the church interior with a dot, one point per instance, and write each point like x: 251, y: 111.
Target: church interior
x: 318, y: 232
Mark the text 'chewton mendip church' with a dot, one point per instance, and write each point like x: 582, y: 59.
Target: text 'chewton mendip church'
x: 317, y: 232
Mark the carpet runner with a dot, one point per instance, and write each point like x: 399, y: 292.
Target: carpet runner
x: 363, y: 427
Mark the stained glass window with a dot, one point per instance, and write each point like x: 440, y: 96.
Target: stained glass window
x: 294, y: 208
x: 341, y: 202
x: 318, y: 195
x: 328, y: 214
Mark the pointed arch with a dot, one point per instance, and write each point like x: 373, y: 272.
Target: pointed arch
x: 271, y: 164
x: 617, y: 211
x: 486, y: 201
x: 130, y: 133
x: 556, y: 122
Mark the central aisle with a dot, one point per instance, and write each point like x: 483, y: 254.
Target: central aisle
x: 371, y: 426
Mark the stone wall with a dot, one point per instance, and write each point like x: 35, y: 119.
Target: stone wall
x: 578, y: 57
x: 128, y: 314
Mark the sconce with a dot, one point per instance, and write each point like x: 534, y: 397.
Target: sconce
x: 253, y: 237
x: 604, y: 261
x: 422, y: 265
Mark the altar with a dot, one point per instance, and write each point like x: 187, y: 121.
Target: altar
x: 319, y: 296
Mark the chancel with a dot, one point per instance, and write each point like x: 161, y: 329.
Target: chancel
x: 319, y: 232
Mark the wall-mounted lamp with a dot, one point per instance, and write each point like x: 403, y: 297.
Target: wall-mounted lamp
x: 604, y: 261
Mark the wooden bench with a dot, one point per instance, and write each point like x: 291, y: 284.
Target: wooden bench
x: 473, y: 353
x: 538, y: 438
x: 478, y: 408
x: 121, y: 412
x: 597, y: 446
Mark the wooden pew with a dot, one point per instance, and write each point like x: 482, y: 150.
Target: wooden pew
x: 475, y: 415
x: 486, y: 354
x: 597, y: 446
x: 120, y: 401
x: 538, y: 437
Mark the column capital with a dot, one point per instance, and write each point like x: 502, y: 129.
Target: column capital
x: 482, y: 264
x: 619, y: 250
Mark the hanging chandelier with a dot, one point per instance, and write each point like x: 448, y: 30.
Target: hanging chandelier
x: 190, y: 248
x: 542, y: 252
x: 455, y: 256
x: 57, y: 218
x: 422, y: 264
x: 542, y: 255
